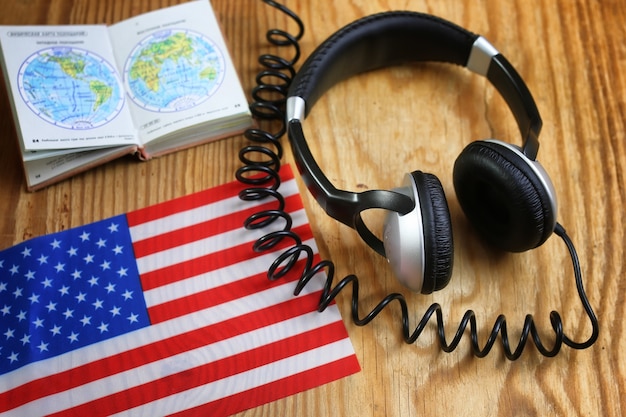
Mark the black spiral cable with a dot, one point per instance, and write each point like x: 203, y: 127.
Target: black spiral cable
x: 261, y: 162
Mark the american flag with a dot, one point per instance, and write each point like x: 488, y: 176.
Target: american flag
x: 162, y: 311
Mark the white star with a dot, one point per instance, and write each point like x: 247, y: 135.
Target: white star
x: 42, y: 346
x: 118, y: 250
x: 133, y: 318
x: 56, y: 330
x: 85, y: 320
x: 26, y: 252
x: 11, y: 333
x: 51, y: 306
x: 42, y: 259
x: 47, y: 282
x: 72, y: 251
x: 101, y: 243
x: 1, y: 263
x: 88, y: 259
x: 3, y: 286
x: 123, y: 272
x: 68, y: 313
x: 103, y: 327
x: 115, y: 311
x: 59, y: 267
x: 14, y: 269
x: 84, y: 236
x: 29, y: 275
x: 18, y: 292
x: 64, y: 290
x: 56, y: 244
x: 21, y: 316
x: 97, y: 304
x: 113, y: 227
x: 5, y: 310
x: 93, y: 281
x: 25, y: 340
x: 13, y: 357
x: 105, y: 265
x: 76, y: 274
x: 110, y: 288
x: 128, y: 295
x: 34, y: 298
x: 81, y: 297
x: 38, y: 323
x: 73, y: 337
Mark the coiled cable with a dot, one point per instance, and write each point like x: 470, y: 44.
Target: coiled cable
x: 261, y: 165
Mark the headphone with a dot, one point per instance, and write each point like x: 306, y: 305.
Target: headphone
x: 503, y: 190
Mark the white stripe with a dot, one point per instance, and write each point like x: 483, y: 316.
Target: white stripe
x: 253, y: 378
x: 211, y: 211
x: 155, y: 333
x: 210, y: 245
x: 191, y: 359
x: 213, y: 279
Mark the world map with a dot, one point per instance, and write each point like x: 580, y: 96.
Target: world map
x: 173, y: 70
x: 71, y: 87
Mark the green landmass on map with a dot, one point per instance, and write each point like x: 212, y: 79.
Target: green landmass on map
x: 102, y: 91
x: 209, y: 73
x: 71, y: 64
x: 148, y: 63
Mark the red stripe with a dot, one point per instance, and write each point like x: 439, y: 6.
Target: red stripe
x: 207, y: 373
x: 133, y: 358
x: 188, y: 202
x: 194, y: 200
x: 273, y: 391
x: 208, y: 228
x: 222, y: 294
x: 211, y: 262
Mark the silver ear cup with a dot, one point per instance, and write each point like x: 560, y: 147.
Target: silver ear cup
x: 403, y: 238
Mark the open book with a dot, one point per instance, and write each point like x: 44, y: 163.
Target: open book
x: 83, y: 95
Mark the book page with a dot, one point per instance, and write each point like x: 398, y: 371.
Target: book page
x: 45, y: 171
x: 176, y: 69
x: 66, y: 91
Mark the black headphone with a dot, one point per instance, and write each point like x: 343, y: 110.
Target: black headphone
x: 505, y: 193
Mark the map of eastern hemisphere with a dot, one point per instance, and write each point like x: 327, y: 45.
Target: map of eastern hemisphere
x: 71, y: 87
x: 173, y: 70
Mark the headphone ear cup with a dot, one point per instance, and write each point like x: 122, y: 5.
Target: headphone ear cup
x: 508, y: 198
x: 438, y: 241
x: 419, y: 244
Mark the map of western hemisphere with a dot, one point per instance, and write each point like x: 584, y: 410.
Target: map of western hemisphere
x: 70, y: 87
x: 173, y: 70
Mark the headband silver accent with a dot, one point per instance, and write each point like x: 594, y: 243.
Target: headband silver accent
x: 296, y: 108
x: 480, y: 56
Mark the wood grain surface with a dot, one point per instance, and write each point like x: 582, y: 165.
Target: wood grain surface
x: 367, y: 133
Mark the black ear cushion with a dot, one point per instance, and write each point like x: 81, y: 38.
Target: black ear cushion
x: 438, y: 242
x: 502, y: 197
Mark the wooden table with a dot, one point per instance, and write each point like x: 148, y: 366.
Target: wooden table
x: 367, y: 133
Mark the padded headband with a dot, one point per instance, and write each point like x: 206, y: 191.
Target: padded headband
x: 383, y: 40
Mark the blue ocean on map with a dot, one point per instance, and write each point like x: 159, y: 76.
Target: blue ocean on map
x: 173, y: 70
x: 71, y: 87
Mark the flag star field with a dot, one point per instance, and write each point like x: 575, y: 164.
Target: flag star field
x: 68, y: 290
